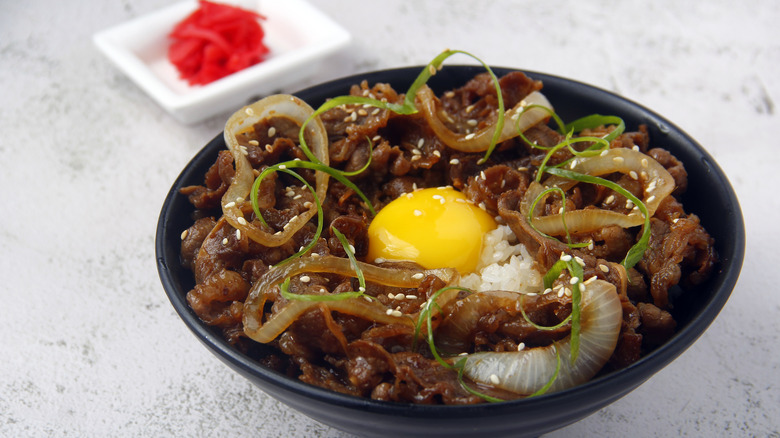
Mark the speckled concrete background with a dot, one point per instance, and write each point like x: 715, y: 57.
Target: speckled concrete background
x: 90, y: 346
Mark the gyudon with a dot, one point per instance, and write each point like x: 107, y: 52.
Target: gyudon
x: 454, y: 249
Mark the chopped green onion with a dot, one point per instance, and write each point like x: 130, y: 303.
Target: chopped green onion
x: 351, y: 255
x: 285, y: 290
x: 550, y: 382
x: 542, y: 327
x: 409, y: 107
x: 256, y: 207
x: 284, y: 287
x: 460, y: 366
x: 596, y: 120
x: 635, y: 253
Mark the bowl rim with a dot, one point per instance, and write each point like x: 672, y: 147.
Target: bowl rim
x: 631, y: 376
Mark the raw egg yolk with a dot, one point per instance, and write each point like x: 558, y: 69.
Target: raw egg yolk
x: 436, y: 228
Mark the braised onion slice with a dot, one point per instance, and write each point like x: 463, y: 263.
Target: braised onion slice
x: 518, y: 119
x: 260, y: 331
x: 280, y: 105
x: 527, y: 371
x: 657, y: 183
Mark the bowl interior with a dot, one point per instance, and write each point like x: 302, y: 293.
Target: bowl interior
x: 709, y: 195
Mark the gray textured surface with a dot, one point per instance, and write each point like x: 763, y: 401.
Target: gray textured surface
x: 89, y: 343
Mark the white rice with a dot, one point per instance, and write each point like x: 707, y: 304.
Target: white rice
x: 504, y: 264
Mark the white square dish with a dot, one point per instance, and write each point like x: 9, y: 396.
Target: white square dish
x: 298, y: 35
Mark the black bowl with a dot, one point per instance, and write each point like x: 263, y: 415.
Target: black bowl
x: 709, y: 195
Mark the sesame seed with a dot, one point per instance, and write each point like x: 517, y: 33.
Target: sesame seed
x: 417, y: 212
x: 561, y: 293
x: 241, y: 221
x: 574, y: 280
x: 230, y: 204
x: 582, y: 287
x: 379, y: 260
x: 268, y: 148
x: 271, y: 131
x: 436, y: 153
x: 278, y: 233
x: 376, y: 138
x: 590, y: 280
x: 590, y: 245
x: 629, y: 204
x: 470, y: 108
x: 282, y: 166
x: 470, y: 136
x: 411, y: 297
x: 561, y: 210
x: 238, y: 234
x: 565, y: 257
x: 472, y: 122
x: 367, y: 298
x: 482, y: 174
x: 375, y: 111
x: 635, y: 148
x: 396, y: 313
x: 674, y: 221
x: 439, y: 198
x: 645, y: 163
x: 416, y: 151
x: 298, y: 196
x: 420, y: 142
x: 617, y: 160
x: 225, y: 241
x: 521, y: 346
x: 399, y: 297
x: 633, y: 175
x: 579, y: 260
x: 249, y: 111
x: 418, y: 276
x: 184, y: 234
x: 482, y: 206
x: 361, y: 289
x: 567, y: 292
x: 573, y: 164
x: 362, y: 113
x: 353, y: 117
x: 547, y: 291
x: 389, y: 312
x: 432, y: 69
x: 604, y: 268
x: 305, y: 279
x: 415, y: 157
x: 522, y: 169
x: 307, y: 204
x: 351, y: 247
x: 651, y: 199
x: 454, y: 161
x: 604, y: 152
x: 494, y: 379
x: 450, y: 94
x: 254, y: 142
